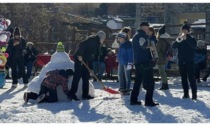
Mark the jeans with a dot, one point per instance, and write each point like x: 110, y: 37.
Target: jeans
x: 124, y: 77
x: 99, y: 69
x: 29, y: 66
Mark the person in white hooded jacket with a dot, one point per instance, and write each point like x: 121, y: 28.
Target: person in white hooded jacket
x: 162, y: 46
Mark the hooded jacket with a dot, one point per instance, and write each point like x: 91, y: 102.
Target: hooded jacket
x: 125, y: 53
x: 161, y: 48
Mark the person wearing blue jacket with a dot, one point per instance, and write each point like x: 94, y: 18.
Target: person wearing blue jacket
x: 125, y: 62
x: 142, y: 49
x: 200, y: 59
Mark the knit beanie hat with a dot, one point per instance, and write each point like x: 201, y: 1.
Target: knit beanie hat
x: 101, y: 35
x: 200, y: 43
x: 17, y: 31
x: 144, y: 23
x: 122, y: 35
x: 162, y: 30
x: 69, y: 72
x: 186, y: 27
x: 60, y: 47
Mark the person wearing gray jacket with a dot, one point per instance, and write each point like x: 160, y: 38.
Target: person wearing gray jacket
x: 162, y: 46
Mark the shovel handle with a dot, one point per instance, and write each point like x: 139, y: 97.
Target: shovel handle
x: 93, y: 74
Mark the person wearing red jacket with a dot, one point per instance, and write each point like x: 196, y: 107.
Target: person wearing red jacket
x: 110, y: 61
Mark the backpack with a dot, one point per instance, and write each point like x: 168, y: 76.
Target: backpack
x: 169, y: 51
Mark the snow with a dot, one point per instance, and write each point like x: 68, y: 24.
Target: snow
x: 107, y: 108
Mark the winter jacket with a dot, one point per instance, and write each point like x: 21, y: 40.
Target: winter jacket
x: 200, y: 56
x: 110, y: 62
x: 125, y: 53
x: 161, y: 48
x: 102, y: 53
x: 30, y: 54
x: 55, y: 78
x: 186, y: 49
x: 141, y: 52
x: 88, y: 48
x: 16, y: 51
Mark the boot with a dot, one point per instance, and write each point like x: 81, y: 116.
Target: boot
x: 194, y: 95
x: 198, y: 81
x: 204, y: 79
x: 73, y: 97
x: 186, y: 95
x: 164, y: 86
x: 151, y: 104
x: 135, y: 102
x: 87, y: 97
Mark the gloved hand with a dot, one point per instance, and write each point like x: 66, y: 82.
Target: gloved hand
x: 129, y: 66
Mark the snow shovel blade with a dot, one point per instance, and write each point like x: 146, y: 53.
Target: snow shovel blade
x: 111, y: 91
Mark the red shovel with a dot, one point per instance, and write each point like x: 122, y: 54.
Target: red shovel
x: 109, y: 90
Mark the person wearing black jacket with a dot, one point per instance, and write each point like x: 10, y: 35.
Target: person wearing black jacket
x: 143, y: 64
x: 86, y: 52
x: 30, y: 57
x: 186, y: 45
x: 15, y: 48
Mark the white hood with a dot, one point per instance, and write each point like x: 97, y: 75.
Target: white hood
x: 165, y: 35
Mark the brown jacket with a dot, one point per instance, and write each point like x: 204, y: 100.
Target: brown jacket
x: 161, y: 48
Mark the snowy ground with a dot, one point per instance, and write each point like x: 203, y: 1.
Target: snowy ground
x: 107, y: 108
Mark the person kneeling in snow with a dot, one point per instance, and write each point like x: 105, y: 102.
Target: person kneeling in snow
x: 48, y: 91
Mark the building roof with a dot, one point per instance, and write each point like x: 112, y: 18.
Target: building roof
x: 198, y: 22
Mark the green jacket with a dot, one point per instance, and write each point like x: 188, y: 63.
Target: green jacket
x: 162, y: 43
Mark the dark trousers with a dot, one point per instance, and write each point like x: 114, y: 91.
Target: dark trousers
x: 80, y: 71
x: 198, y: 68
x: 18, y: 63
x: 186, y: 70
x: 207, y: 74
x: 144, y: 73
x: 32, y: 95
x: 52, y: 94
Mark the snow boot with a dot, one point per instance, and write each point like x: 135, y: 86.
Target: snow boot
x: 41, y: 98
x: 88, y: 97
x: 151, y: 104
x: 194, y: 95
x: 198, y: 81
x: 135, y: 103
x: 164, y: 86
x: 186, y: 95
x: 204, y: 79
x: 73, y: 97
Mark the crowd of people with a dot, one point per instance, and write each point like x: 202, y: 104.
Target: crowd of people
x: 145, y: 50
